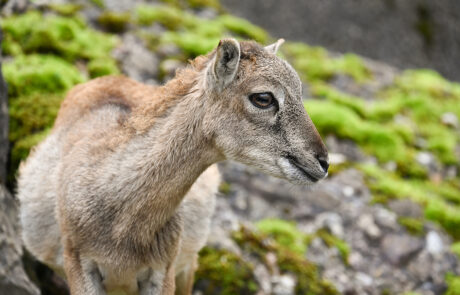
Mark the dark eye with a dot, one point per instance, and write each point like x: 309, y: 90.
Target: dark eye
x: 262, y: 100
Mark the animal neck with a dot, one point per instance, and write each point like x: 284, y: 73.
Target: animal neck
x: 164, y: 163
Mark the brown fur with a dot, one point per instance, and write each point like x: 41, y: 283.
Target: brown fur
x: 125, y: 155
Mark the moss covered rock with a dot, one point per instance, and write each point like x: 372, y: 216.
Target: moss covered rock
x: 36, y: 73
x: 315, y: 63
x: 285, y: 233
x: 288, y: 261
x: 68, y: 37
x: 115, y: 22
x: 196, y: 36
x: 223, y: 272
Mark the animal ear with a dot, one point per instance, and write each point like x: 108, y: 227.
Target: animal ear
x: 273, y: 48
x: 225, y: 64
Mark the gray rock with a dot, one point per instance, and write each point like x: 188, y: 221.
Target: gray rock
x: 136, y: 60
x: 429, y: 161
x: 434, y: 243
x: 406, y: 34
x: 364, y: 279
x: 4, y: 118
x: 406, y: 208
x: 262, y: 276
x: 168, y: 50
x: 450, y: 119
x: 385, y: 218
x: 284, y: 285
x: 425, y: 158
x: 332, y: 222
x: 337, y: 158
x: 168, y: 68
x: 12, y: 275
x: 347, y: 148
x: 367, y: 224
x: 207, y: 13
x: 399, y: 249
x: 15, y: 6
x: 355, y: 260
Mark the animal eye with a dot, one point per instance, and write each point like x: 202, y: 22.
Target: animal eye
x: 262, y: 100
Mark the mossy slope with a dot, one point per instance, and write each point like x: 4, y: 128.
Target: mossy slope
x: 50, y: 53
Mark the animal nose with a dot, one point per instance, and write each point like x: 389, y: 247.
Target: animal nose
x: 324, y: 162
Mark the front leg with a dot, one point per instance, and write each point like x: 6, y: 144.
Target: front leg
x: 83, y: 275
x: 185, y: 279
x: 157, y: 282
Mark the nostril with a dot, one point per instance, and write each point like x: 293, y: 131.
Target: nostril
x: 324, y: 163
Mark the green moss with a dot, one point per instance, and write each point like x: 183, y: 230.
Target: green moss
x: 412, y: 225
x: 448, y: 216
x: 333, y: 241
x: 65, y: 9
x: 169, y: 16
x: 31, y: 116
x: 428, y: 82
x: 10, y: 47
x: 337, y: 168
x: 193, y: 44
x: 115, y: 22
x: 39, y: 73
x: 102, y: 66
x: 375, y: 122
x: 453, y: 282
x: 314, y: 63
x: 285, y: 233
x: 225, y: 188
x: 441, y: 141
x: 352, y: 65
x: 425, y: 111
x: 323, y: 90
x: 435, y: 198
x: 243, y: 28
x: 196, y: 36
x: 33, y: 113
x: 67, y: 37
x: 455, y: 248
x: 98, y: 3
x: 376, y: 139
x: 308, y: 280
x: 204, y: 3
x: 222, y: 272
x: 175, y: 3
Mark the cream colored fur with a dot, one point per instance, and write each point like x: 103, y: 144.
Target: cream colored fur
x: 120, y: 194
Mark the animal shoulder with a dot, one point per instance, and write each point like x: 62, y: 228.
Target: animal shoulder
x: 143, y: 103
x: 111, y: 90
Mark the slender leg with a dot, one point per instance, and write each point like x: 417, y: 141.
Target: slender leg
x: 151, y: 283
x: 83, y: 276
x: 185, y: 280
x: 157, y: 282
x: 169, y: 281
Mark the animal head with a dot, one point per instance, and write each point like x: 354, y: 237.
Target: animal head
x: 259, y: 114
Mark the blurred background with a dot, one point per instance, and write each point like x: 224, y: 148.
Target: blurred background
x: 379, y: 84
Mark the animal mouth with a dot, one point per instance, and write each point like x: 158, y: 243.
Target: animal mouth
x: 294, y: 162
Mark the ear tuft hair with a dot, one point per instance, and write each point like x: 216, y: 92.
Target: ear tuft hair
x: 273, y: 48
x: 225, y: 64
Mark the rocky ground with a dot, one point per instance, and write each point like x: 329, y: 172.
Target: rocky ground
x: 383, y: 256
x: 387, y: 219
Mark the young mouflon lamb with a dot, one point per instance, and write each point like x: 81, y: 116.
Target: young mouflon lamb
x: 120, y: 193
